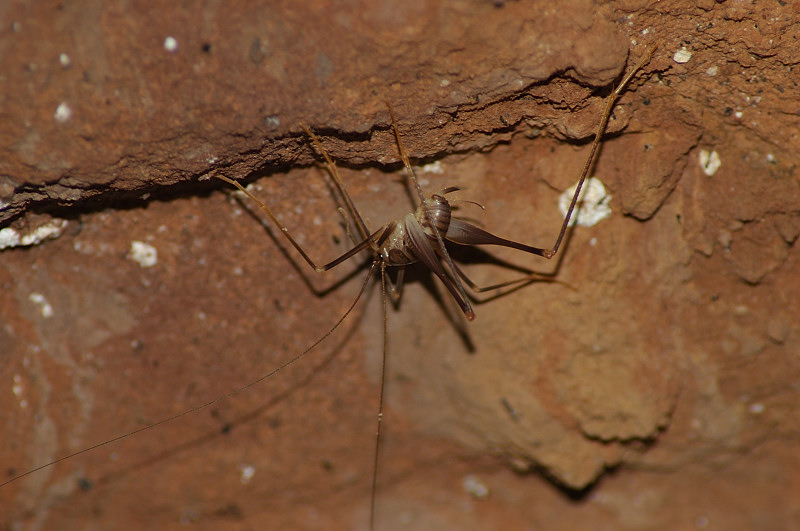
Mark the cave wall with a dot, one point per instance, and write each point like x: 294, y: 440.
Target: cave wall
x: 653, y: 386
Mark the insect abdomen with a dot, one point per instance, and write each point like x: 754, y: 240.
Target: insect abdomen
x: 439, y: 210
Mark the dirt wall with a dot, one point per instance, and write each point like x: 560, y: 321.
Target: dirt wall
x: 653, y: 386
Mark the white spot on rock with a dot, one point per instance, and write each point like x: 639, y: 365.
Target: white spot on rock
x: 63, y: 113
x: 64, y: 60
x: 433, y: 167
x: 272, y: 121
x: 247, y: 473
x: 19, y: 390
x: 474, y: 486
x: 171, y: 44
x: 11, y: 237
x: 709, y: 161
x: 682, y: 56
x: 39, y: 299
x: 144, y: 254
x: 593, y: 203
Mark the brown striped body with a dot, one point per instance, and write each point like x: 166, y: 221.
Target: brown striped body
x: 398, y: 248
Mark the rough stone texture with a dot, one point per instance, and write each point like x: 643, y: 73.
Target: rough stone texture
x: 654, y: 386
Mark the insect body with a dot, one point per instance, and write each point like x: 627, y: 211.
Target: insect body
x: 417, y: 237
x: 421, y: 236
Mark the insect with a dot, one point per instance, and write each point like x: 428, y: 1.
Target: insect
x: 420, y: 236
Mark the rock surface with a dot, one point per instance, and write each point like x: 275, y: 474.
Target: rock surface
x: 654, y: 386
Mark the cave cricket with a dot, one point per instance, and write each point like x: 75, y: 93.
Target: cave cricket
x: 419, y: 236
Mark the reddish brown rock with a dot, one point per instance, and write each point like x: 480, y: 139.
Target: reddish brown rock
x: 666, y: 353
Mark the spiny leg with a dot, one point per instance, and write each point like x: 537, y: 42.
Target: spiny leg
x: 334, y: 172
x: 364, y: 244
x: 514, y: 283
x: 612, y: 99
x: 396, y: 287
x: 367, y: 239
